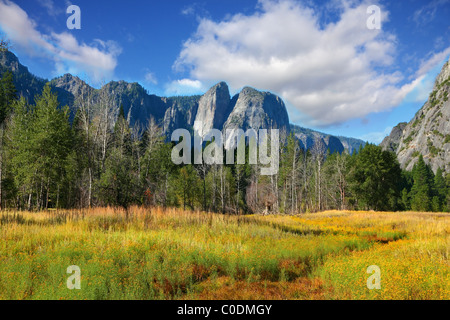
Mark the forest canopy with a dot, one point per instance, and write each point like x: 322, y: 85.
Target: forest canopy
x: 98, y: 159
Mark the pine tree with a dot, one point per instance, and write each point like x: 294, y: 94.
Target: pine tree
x: 421, y: 192
x: 52, y: 142
x: 188, y: 186
x: 40, y: 143
x: 440, y: 191
x: 7, y: 97
x: 375, y: 178
x: 8, y: 94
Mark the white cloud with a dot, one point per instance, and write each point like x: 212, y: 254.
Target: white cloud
x: 150, y: 77
x: 187, y: 11
x: 49, y: 5
x: 97, y: 60
x: 426, y: 14
x: 425, y: 76
x: 376, y: 137
x: 329, y: 73
x: 185, y: 87
x: 432, y: 60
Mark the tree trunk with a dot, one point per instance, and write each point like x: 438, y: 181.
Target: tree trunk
x: 57, y: 198
x: 214, y: 188
x: 222, y: 189
x: 90, y: 188
x: 48, y: 191
x: 29, y: 202
x: 165, y: 190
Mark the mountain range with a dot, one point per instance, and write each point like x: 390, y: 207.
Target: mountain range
x: 216, y: 108
x: 428, y: 133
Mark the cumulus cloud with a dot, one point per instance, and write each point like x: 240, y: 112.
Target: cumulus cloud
x: 431, y: 61
x: 97, y: 60
x: 184, y: 87
x: 328, y: 73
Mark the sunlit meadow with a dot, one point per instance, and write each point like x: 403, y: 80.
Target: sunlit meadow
x: 152, y: 253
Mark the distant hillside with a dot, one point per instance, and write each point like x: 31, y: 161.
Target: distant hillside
x: 308, y: 137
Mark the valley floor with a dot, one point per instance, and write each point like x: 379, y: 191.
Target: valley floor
x: 172, y: 254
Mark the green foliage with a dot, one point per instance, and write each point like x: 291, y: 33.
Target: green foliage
x: 375, y: 179
x: 98, y: 162
x: 447, y: 139
x: 434, y: 151
x: 40, y: 143
x: 436, y: 204
x: 440, y: 191
x: 434, y: 99
x: 116, y: 183
x: 406, y: 201
x: 187, y: 183
x: 409, y: 138
x: 437, y: 133
x: 8, y: 94
x: 421, y: 192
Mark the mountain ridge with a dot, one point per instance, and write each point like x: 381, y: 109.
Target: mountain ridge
x: 216, y: 108
x: 428, y: 132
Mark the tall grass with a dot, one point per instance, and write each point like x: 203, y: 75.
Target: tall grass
x: 152, y: 253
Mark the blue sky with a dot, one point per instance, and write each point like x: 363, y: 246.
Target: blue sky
x: 334, y: 73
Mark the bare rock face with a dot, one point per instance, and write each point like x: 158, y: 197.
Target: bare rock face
x: 71, y: 84
x: 254, y: 109
x: 180, y: 113
x: 250, y: 109
x: 391, y: 142
x: 9, y: 61
x: 428, y: 133
x: 213, y: 109
x: 351, y: 145
x: 308, y: 138
x: 27, y: 85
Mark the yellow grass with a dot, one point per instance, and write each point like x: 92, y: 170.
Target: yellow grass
x: 174, y: 254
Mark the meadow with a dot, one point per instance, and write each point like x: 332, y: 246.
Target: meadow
x: 152, y: 253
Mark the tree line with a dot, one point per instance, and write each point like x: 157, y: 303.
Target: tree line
x: 48, y: 160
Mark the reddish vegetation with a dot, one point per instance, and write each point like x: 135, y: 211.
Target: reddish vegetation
x: 224, y: 288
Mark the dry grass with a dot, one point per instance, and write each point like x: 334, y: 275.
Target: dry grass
x: 153, y: 253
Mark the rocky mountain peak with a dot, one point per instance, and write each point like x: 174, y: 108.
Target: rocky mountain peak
x: 428, y: 133
x: 69, y: 82
x: 9, y: 61
x: 213, y: 109
x: 255, y: 109
x: 391, y: 142
x: 444, y: 75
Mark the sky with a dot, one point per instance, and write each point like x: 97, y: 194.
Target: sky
x: 349, y: 68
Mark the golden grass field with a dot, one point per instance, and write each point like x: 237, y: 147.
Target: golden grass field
x: 171, y: 254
